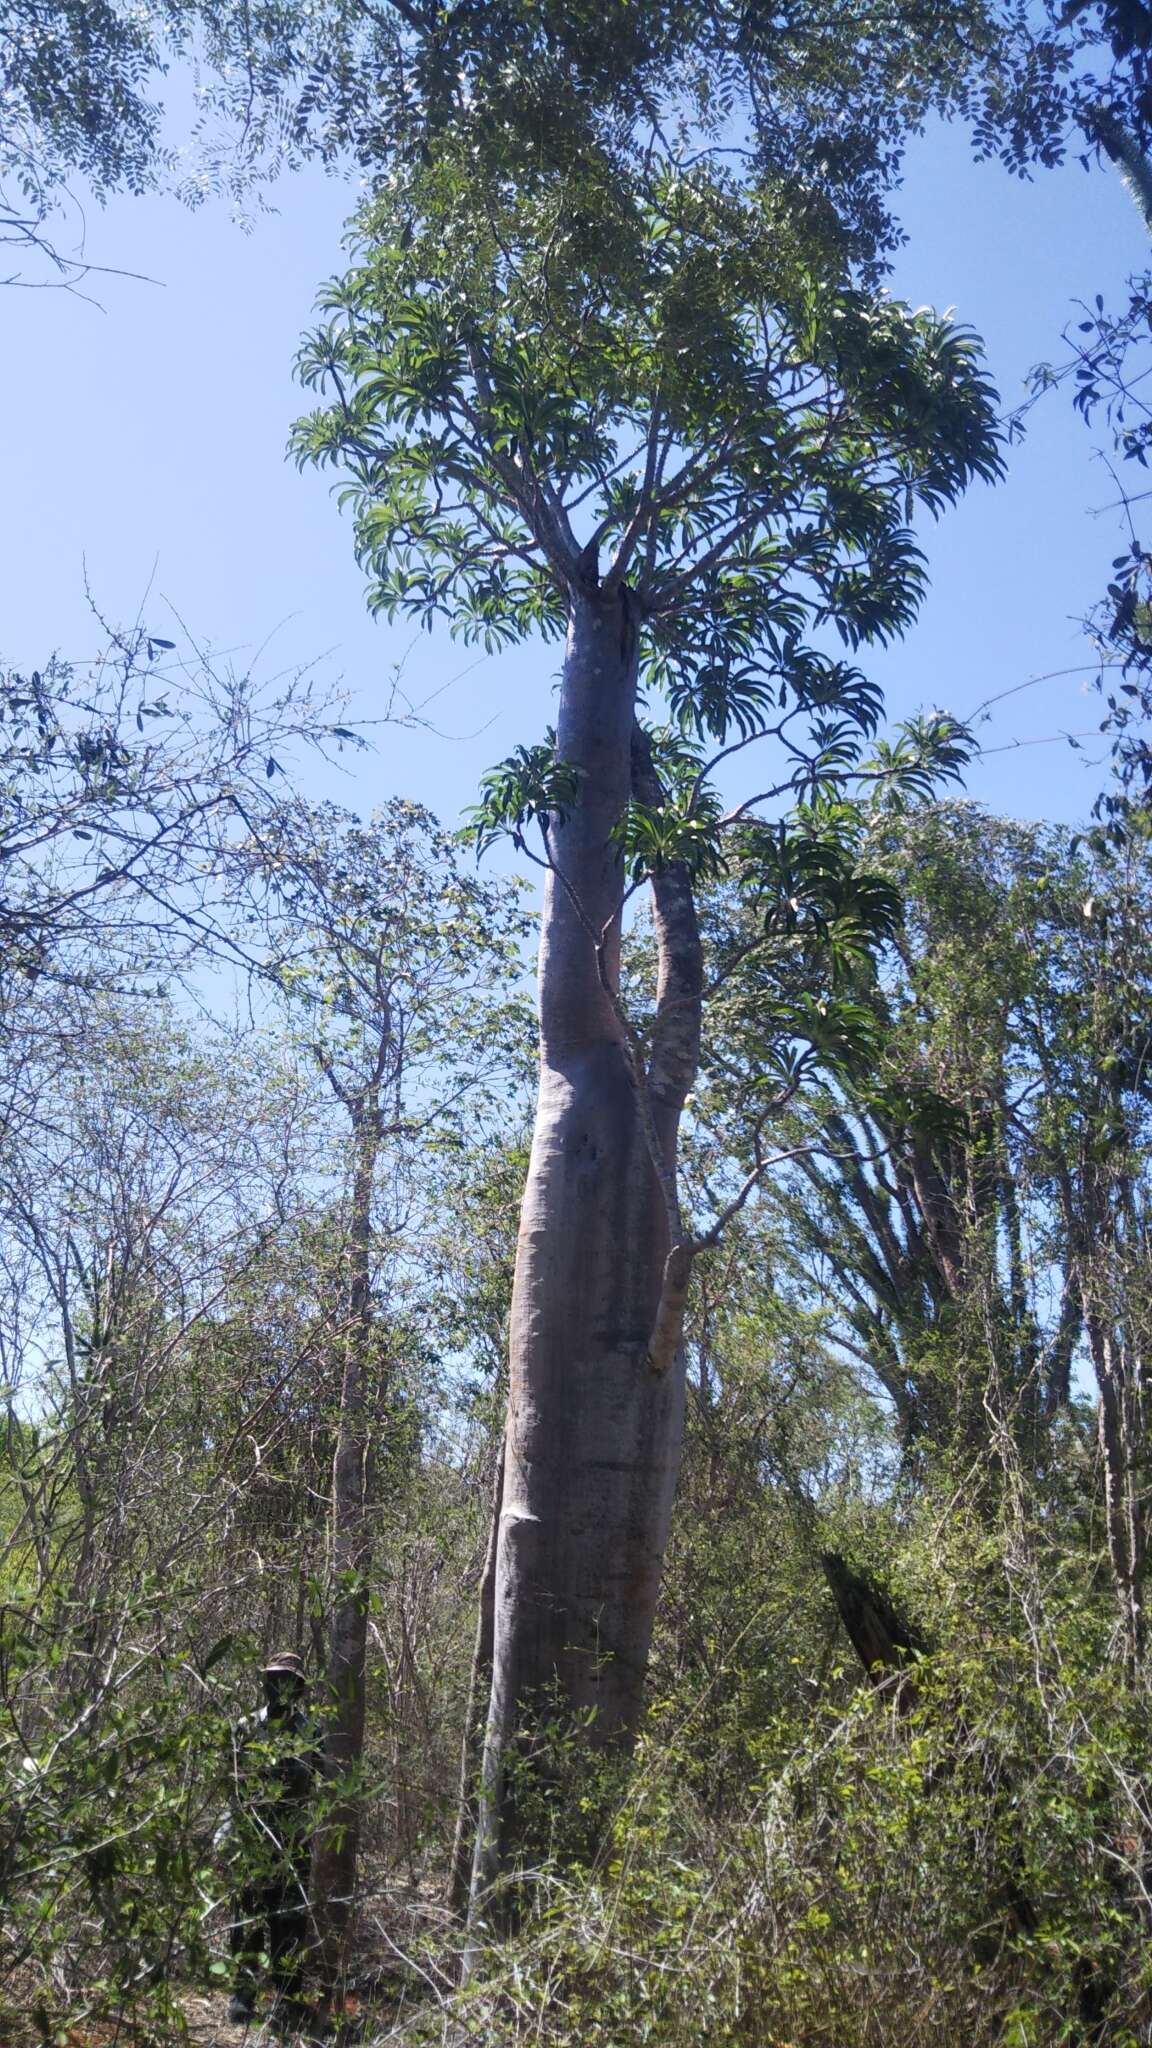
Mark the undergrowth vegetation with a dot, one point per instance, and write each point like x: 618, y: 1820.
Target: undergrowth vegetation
x: 891, y: 1786
x: 954, y: 1853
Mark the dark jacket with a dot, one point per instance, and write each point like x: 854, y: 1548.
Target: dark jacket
x: 275, y: 1765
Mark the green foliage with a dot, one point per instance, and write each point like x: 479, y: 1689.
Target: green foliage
x: 158, y: 1518
x: 398, y: 964
x: 83, y: 87
x: 531, y: 786
x: 660, y: 377
x: 962, y: 1869
x: 581, y: 358
x: 685, y: 828
x: 791, y: 1858
x: 926, y: 752
x: 105, y: 1827
x: 980, y: 1108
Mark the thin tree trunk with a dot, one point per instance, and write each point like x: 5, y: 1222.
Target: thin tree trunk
x: 1124, y: 1514
x: 337, y: 1844
x: 1058, y: 1378
x: 593, y: 1433
x: 479, y: 1688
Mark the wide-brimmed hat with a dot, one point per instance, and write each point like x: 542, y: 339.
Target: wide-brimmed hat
x: 285, y: 1661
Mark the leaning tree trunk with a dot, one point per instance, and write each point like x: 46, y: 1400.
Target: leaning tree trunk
x: 338, y: 1841
x: 593, y: 1434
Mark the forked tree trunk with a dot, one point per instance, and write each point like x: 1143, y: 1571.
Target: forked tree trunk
x: 594, y: 1427
x: 338, y: 1841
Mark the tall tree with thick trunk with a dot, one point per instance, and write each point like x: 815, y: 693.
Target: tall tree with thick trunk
x: 594, y: 1416
x: 644, y: 417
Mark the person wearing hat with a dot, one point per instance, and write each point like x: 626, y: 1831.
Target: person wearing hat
x: 275, y: 1764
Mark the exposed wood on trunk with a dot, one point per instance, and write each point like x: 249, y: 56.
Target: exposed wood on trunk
x: 668, y: 1323
x: 479, y: 1686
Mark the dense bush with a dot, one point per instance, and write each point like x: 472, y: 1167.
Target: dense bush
x: 957, y: 1854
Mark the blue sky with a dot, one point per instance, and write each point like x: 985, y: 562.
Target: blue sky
x: 144, y: 438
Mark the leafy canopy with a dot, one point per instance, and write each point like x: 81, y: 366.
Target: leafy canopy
x: 825, y: 96
x: 583, y: 385
x: 399, y: 962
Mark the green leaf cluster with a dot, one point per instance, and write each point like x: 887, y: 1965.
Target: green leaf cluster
x: 576, y: 383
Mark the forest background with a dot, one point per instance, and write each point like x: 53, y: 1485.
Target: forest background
x: 195, y: 1213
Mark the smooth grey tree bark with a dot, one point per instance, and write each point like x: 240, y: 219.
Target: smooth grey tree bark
x: 596, y: 1393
